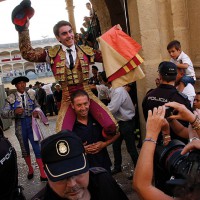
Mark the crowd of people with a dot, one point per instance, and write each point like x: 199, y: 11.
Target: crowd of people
x: 92, y: 114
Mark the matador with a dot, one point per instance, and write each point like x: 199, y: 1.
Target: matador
x: 69, y: 64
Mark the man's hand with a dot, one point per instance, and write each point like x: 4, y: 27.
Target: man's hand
x: 183, y: 112
x: 27, y: 23
x: 118, y: 27
x: 95, y: 147
x: 35, y: 114
x: 156, y: 122
x: 19, y: 111
x: 195, y: 144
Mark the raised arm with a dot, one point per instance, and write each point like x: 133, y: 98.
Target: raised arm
x: 29, y: 53
x: 143, y: 176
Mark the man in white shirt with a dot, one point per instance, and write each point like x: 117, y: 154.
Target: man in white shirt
x: 31, y: 91
x: 50, y: 99
x: 188, y: 90
x: 122, y: 108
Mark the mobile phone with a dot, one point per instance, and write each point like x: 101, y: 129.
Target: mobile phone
x: 168, y: 111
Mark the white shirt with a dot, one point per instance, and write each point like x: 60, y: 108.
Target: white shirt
x: 184, y: 59
x: 190, y: 92
x: 47, y: 88
x: 73, y: 52
x: 31, y: 92
x: 121, y: 105
x: 20, y: 98
x: 103, y: 92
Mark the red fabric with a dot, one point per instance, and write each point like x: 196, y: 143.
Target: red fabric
x: 122, y: 71
x: 121, y: 42
x: 28, y: 13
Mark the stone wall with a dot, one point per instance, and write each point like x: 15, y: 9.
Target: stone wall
x: 154, y: 23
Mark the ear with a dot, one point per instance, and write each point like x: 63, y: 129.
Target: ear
x: 58, y: 38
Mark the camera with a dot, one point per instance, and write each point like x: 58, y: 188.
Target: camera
x: 173, y: 164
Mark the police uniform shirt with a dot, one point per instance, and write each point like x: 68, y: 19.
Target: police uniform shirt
x: 102, y: 186
x: 161, y: 95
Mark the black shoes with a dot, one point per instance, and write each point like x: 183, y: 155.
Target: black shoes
x: 115, y: 171
x: 30, y: 176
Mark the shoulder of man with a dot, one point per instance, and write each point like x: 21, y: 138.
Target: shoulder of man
x: 103, y: 186
x: 53, y: 51
x: 11, y: 98
x: 89, y: 51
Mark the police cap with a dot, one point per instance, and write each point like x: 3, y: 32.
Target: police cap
x: 167, y: 69
x: 63, y: 156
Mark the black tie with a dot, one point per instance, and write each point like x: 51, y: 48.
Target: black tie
x: 23, y: 102
x: 71, y: 65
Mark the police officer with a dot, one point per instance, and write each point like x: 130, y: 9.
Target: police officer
x: 20, y: 106
x: 69, y: 176
x: 164, y: 93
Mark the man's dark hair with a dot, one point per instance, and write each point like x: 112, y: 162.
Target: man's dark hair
x: 103, y: 76
x: 78, y: 93
x: 168, y: 78
x: 58, y: 25
x: 174, y: 44
x: 30, y: 86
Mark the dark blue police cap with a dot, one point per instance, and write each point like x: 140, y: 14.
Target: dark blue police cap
x: 18, y: 79
x: 63, y: 156
x: 167, y: 69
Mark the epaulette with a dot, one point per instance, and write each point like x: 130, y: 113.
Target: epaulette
x: 53, y: 51
x: 183, y: 95
x: 87, y: 50
x: 11, y: 98
x: 97, y: 170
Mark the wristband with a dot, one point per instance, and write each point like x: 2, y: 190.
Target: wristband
x: 149, y: 140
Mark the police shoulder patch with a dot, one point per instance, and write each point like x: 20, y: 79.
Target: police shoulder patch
x: 53, y: 51
x: 97, y: 170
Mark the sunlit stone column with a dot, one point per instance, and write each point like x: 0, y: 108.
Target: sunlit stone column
x: 70, y: 9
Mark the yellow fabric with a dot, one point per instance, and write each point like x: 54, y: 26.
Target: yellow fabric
x: 130, y: 77
x: 112, y: 60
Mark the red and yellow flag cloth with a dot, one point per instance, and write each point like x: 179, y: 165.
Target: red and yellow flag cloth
x: 120, y: 57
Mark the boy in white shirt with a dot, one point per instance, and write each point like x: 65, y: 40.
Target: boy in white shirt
x: 182, y: 61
